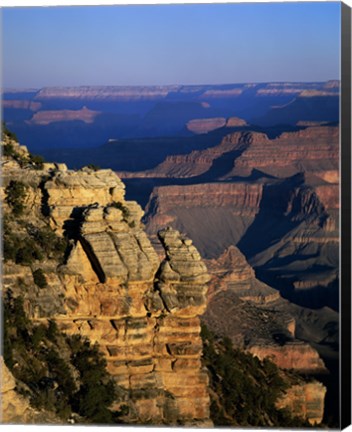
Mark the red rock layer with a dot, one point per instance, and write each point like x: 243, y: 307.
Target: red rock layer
x: 311, y: 149
x: 243, y: 198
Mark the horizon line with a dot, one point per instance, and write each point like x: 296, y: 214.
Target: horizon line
x: 31, y: 88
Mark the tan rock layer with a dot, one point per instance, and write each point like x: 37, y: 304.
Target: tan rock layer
x: 305, y: 401
x: 144, y: 319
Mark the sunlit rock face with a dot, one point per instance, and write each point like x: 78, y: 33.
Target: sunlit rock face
x: 142, y: 310
x: 143, y: 313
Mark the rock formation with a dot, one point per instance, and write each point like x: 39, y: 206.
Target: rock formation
x: 307, y: 150
x: 305, y: 401
x: 292, y: 355
x: 143, y: 309
x: 46, y: 117
x: 261, y: 322
x: 311, y: 149
x: 114, y: 290
x: 199, y: 126
x: 14, y: 408
x: 225, y: 209
x: 231, y: 271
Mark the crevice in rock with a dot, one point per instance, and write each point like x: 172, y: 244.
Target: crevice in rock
x: 93, y: 259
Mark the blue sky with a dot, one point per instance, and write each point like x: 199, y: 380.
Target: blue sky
x: 170, y: 44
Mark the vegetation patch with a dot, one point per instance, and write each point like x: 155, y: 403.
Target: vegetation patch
x: 9, y: 150
x: 123, y: 208
x: 39, y: 278
x: 59, y: 373
x: 15, y: 196
x: 243, y: 389
x: 33, y: 245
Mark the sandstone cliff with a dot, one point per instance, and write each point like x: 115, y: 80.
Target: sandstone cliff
x: 113, y: 289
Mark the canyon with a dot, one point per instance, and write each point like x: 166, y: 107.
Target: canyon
x: 275, y: 202
x: 131, y: 112
x: 228, y: 218
x: 142, y: 304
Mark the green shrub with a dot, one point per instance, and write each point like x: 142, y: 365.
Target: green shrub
x: 15, y: 195
x: 7, y: 132
x: 97, y: 389
x: 37, y: 161
x: 53, y: 331
x: 246, y: 388
x: 64, y: 374
x: 9, y: 150
x: 38, y: 243
x: 28, y: 253
x: 39, y: 278
x: 123, y: 208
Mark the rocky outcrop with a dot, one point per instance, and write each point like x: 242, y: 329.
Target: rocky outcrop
x: 106, y: 93
x: 67, y: 193
x: 200, y: 161
x: 261, y: 321
x: 312, y: 149
x: 14, y: 408
x: 307, y: 150
x: 200, y: 126
x: 22, y: 104
x: 114, y: 289
x: 46, y: 117
x: 305, y: 401
x: 144, y: 318
x: 243, y: 198
x: 231, y: 271
x: 296, y: 355
x: 235, y: 122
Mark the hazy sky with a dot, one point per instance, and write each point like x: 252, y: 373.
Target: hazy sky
x: 163, y: 44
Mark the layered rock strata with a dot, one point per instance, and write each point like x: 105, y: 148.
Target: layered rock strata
x: 200, y: 161
x: 114, y: 290
x: 67, y: 193
x: 312, y: 149
x: 291, y: 355
x: 225, y: 210
x: 261, y: 321
x: 305, y: 401
x: 231, y: 271
x: 47, y: 117
x: 145, y: 317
